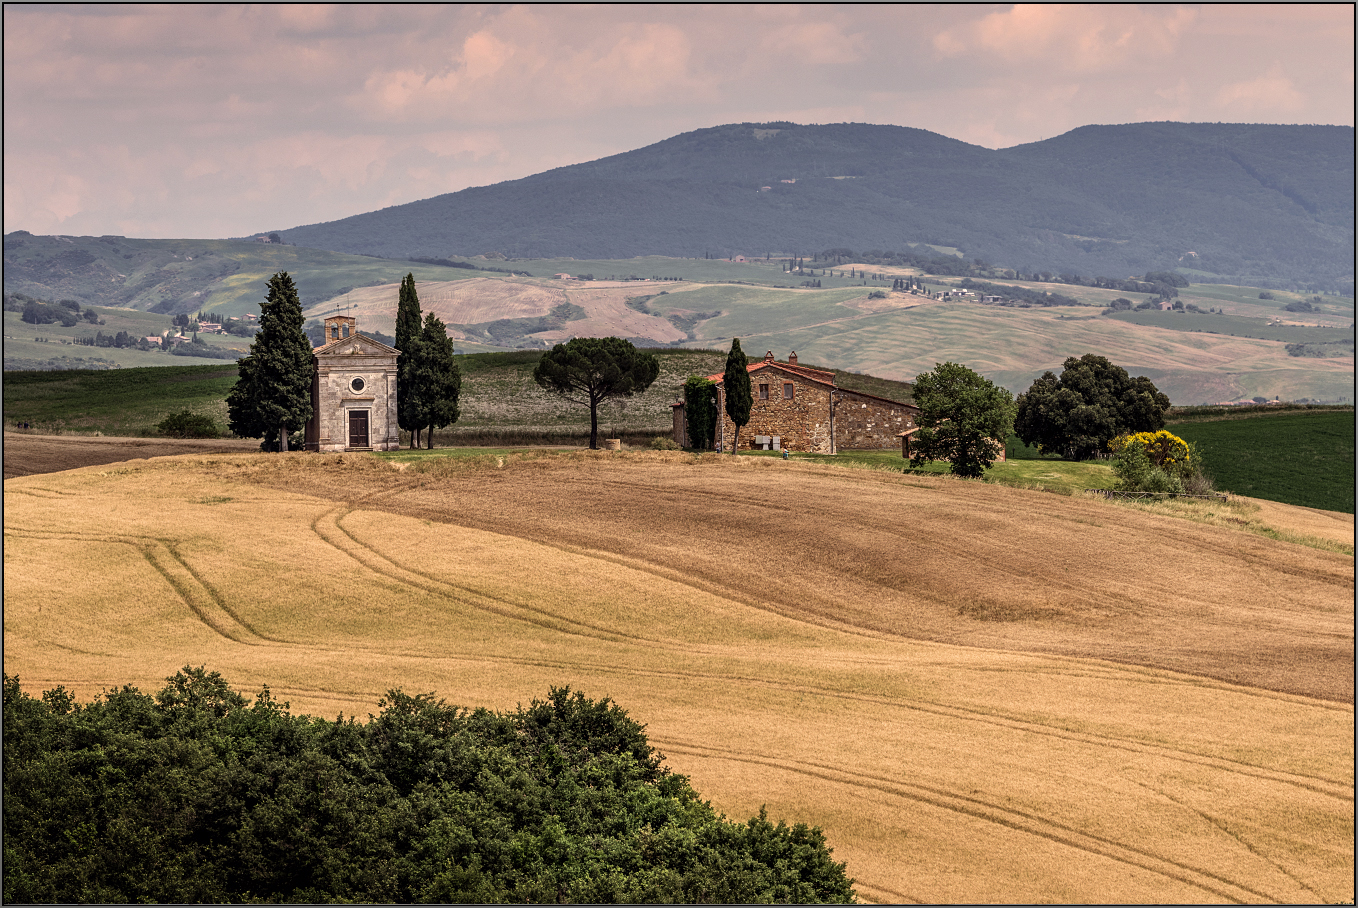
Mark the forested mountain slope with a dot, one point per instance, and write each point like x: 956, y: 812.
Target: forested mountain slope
x: 1268, y: 203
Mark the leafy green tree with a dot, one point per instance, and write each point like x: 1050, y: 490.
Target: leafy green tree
x: 700, y: 411
x: 736, y: 385
x: 272, y: 395
x: 408, y: 332
x: 434, y: 379
x: 964, y: 418
x: 1093, y: 402
x: 590, y: 370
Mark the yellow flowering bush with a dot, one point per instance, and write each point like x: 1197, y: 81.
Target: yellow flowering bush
x: 1164, y: 449
x: 1158, y: 462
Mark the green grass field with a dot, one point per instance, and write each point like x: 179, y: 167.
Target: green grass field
x: 116, y: 402
x: 1296, y: 457
x: 1234, y: 326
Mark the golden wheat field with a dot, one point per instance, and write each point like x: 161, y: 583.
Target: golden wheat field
x: 979, y: 693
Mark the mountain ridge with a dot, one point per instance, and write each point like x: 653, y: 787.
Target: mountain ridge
x: 1219, y: 201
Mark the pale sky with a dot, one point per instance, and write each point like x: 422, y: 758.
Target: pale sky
x: 214, y: 121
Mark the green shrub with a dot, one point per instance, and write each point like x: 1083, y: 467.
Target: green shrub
x: 185, y: 424
x: 664, y: 443
x: 198, y: 795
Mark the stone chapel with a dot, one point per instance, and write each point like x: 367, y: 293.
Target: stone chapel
x: 353, y: 392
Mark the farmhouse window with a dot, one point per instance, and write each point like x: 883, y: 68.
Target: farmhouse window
x: 787, y: 390
x: 763, y: 392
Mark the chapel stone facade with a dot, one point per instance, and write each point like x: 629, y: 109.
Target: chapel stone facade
x: 353, y: 392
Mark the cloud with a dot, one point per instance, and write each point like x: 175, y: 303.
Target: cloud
x: 1070, y: 36
x: 1271, y: 94
x: 221, y: 120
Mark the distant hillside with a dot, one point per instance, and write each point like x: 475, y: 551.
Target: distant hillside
x: 174, y: 276
x: 1254, y: 203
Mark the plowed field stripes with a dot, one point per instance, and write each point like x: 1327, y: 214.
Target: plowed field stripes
x: 1020, y: 821
x: 327, y: 528
x: 1337, y: 789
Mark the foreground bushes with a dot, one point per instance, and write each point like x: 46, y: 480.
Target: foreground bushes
x: 195, y: 796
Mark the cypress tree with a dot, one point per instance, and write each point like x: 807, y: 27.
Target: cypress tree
x: 736, y: 381
x: 407, y: 337
x: 272, y: 396
x: 435, y: 380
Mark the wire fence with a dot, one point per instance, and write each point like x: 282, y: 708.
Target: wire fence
x: 1109, y: 493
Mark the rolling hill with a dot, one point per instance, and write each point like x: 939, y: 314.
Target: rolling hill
x: 1255, y: 203
x: 979, y: 693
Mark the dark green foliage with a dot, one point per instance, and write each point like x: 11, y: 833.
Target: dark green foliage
x: 700, y: 412
x: 274, y: 388
x: 433, y: 379
x: 739, y: 396
x: 186, y: 424
x: 1298, y: 456
x: 964, y: 418
x: 1338, y: 348
x: 37, y: 312
x: 1301, y: 306
x: 408, y: 330
x: 1092, y: 403
x: 590, y: 370
x: 196, y: 795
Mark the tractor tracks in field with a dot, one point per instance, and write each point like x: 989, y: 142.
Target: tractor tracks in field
x: 164, y: 557
x: 1327, y: 787
x: 330, y: 529
x: 990, y: 811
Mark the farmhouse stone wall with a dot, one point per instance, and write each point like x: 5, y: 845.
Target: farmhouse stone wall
x: 803, y: 422
x: 865, y: 422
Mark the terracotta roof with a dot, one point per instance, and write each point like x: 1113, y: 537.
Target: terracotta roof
x: 819, y: 376
x: 816, y: 375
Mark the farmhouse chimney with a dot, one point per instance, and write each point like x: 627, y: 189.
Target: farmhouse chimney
x: 768, y: 357
x: 792, y: 358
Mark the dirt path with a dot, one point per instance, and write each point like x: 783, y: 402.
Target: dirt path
x: 27, y: 454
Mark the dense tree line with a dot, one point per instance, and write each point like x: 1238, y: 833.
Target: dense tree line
x: 44, y: 312
x: 196, y: 795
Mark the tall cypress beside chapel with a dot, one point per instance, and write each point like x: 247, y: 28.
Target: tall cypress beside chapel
x: 408, y: 329
x: 272, y: 395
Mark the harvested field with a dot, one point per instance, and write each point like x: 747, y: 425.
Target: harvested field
x: 980, y: 693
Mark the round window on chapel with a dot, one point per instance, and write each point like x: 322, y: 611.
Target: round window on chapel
x: 356, y: 385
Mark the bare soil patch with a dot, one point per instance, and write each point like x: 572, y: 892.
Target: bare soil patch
x: 27, y: 454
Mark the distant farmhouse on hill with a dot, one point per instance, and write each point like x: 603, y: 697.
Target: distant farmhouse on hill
x: 797, y: 408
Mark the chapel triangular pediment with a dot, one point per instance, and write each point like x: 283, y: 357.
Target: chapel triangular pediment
x: 356, y: 345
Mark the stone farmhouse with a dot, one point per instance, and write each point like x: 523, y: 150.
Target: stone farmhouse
x: 797, y: 408
x: 353, y: 392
